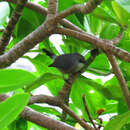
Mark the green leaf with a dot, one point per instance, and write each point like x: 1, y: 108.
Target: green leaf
x: 94, y: 99
x: 41, y: 80
x: 47, y: 110
x: 54, y: 86
x: 19, y: 124
x: 11, y: 79
x: 95, y: 24
x: 27, y: 23
x: 70, y: 45
x: 125, y: 44
x: 33, y: 126
x: 101, y: 63
x: 111, y: 107
x: 113, y: 87
x: 109, y: 31
x: 125, y: 68
x: 117, y: 122
x: 11, y: 108
x: 126, y: 127
x: 121, y: 13
x: 41, y: 63
x: 122, y: 107
x: 4, y: 12
x: 72, y: 18
x: 124, y: 4
x: 101, y: 13
x: 80, y: 1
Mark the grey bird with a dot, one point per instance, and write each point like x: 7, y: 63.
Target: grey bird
x: 66, y: 63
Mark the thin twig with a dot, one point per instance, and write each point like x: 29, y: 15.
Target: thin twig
x: 119, y: 36
x: 87, y: 110
x: 76, y: 118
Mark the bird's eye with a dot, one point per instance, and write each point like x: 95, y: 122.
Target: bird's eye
x: 82, y: 60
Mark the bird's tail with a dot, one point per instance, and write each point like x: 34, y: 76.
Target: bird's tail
x: 48, y: 53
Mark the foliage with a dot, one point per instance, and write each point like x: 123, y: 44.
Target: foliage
x: 103, y: 22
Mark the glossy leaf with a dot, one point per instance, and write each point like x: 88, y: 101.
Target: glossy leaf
x: 95, y: 24
x: 124, y: 4
x: 11, y: 79
x: 112, y: 86
x: 41, y: 80
x: 72, y: 18
x: 54, y: 86
x: 11, y: 108
x: 94, y: 99
x: 118, y: 122
x: 121, y: 13
x: 109, y: 31
x: 41, y: 63
x: 101, y: 63
x: 47, y: 110
x: 19, y: 124
x: 102, y: 14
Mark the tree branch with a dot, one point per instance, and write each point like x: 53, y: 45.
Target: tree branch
x: 52, y: 8
x: 23, y: 46
x: 41, y: 98
x: 120, y: 78
x: 105, y: 45
x: 119, y: 36
x: 89, y: 7
x: 117, y: 70
x: 43, y: 11
x: 43, y: 120
x: 87, y: 110
x: 57, y: 102
x: 11, y: 25
x: 76, y: 118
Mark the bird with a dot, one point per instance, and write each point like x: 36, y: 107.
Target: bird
x: 66, y: 63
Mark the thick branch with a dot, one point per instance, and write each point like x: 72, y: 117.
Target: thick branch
x: 122, y: 54
x: 43, y: 99
x: 44, y: 120
x: 23, y: 46
x: 11, y: 24
x: 52, y: 8
x: 99, y: 43
x: 120, y: 78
